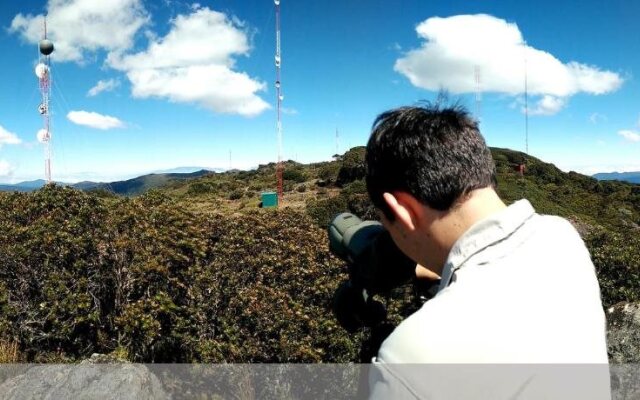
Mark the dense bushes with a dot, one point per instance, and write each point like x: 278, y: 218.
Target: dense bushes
x: 144, y: 279
x: 322, y: 211
x: 352, y: 166
x: 295, y: 174
x: 328, y: 172
x: 197, y: 188
x: 617, y: 261
x: 236, y: 194
x: 274, y: 280
x: 87, y: 276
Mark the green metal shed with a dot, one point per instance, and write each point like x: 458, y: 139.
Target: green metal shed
x: 269, y: 199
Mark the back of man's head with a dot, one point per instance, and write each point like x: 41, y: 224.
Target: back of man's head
x: 434, y: 153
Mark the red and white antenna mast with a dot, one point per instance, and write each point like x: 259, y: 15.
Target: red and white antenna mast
x: 43, y: 72
x: 279, y: 98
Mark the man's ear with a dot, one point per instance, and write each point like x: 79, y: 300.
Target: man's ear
x: 404, y: 207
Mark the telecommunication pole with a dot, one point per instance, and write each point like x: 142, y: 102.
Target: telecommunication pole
x: 43, y: 72
x: 279, y: 98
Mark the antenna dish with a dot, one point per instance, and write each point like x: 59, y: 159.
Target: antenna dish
x: 42, y: 70
x: 43, y: 136
x: 46, y: 47
x: 277, y: 2
x: 277, y: 60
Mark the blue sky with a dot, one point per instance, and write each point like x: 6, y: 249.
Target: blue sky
x: 149, y: 85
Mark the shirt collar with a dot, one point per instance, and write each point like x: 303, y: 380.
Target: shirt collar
x: 483, y: 234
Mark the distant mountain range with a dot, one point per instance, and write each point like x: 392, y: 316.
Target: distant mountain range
x: 27, y: 186
x: 633, y: 177
x: 129, y: 187
x: 187, y: 170
x: 141, y: 184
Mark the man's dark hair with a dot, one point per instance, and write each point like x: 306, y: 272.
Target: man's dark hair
x: 435, y: 154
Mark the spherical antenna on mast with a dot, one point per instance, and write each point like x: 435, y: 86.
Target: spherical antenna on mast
x: 42, y: 70
x: 43, y: 136
x: 46, y: 47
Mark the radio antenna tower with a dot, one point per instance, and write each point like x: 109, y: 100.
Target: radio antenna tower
x: 526, y: 103
x: 43, y: 72
x: 337, y: 142
x: 279, y: 99
x: 521, y: 167
x: 476, y: 71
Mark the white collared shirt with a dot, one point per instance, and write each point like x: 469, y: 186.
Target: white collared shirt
x: 517, y: 288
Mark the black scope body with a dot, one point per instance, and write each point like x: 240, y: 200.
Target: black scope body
x: 375, y: 262
x: 375, y: 265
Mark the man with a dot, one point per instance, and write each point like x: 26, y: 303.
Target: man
x: 516, y: 287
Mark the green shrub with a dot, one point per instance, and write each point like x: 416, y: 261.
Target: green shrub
x: 236, y: 194
x: 354, y: 188
x: 329, y: 171
x: 617, y: 261
x: 322, y: 211
x: 296, y: 175
x: 196, y: 188
x: 352, y: 167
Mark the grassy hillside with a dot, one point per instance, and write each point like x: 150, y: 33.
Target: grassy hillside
x: 196, y: 272
x: 583, y: 199
x: 141, y: 184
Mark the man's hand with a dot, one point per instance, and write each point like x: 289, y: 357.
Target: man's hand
x: 426, y: 273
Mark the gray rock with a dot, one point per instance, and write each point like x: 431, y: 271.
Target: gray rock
x: 623, y: 333
x: 623, y: 339
x: 96, y: 378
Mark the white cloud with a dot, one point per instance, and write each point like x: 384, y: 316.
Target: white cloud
x: 94, y: 120
x: 455, y: 47
x: 597, y: 117
x: 103, y: 86
x: 78, y: 26
x: 7, y: 137
x: 629, y: 135
x: 194, y: 63
x: 289, y: 111
x: 548, y: 105
x: 6, y: 170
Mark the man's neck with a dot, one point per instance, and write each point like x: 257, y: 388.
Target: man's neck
x: 449, y: 226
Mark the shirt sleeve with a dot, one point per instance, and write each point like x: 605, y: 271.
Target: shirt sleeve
x: 385, y: 385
